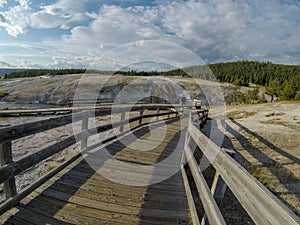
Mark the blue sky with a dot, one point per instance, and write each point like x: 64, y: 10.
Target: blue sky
x: 72, y: 33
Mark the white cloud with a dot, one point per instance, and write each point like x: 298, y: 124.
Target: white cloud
x: 111, y: 27
x: 16, y: 19
x: 234, y: 29
x: 75, y: 20
x: 5, y: 65
x: 64, y: 14
x: 2, y: 3
x: 27, y: 64
x: 42, y: 20
x: 215, y: 30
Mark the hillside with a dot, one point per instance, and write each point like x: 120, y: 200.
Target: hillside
x: 4, y: 71
x: 282, y: 81
x: 278, y: 81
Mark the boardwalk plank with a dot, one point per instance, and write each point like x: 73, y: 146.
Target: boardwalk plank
x: 80, y: 195
x: 106, y: 195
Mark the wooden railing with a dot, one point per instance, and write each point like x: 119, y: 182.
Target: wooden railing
x: 260, y: 204
x: 76, y: 108
x: 10, y: 168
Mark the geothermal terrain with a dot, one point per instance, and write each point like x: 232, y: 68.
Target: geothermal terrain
x: 265, y: 136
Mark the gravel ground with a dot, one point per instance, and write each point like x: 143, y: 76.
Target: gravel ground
x: 266, y: 138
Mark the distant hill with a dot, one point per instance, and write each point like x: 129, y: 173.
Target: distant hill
x: 42, y: 72
x: 280, y: 81
x: 8, y: 71
x: 246, y: 72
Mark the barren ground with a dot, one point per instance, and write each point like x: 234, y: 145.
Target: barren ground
x: 267, y: 139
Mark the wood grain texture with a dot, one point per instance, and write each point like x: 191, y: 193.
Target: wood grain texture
x: 9, y: 185
x: 190, y: 199
x: 11, y: 133
x: 263, y: 207
x: 210, y: 206
x: 80, y: 195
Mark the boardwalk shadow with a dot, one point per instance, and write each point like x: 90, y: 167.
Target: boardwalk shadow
x: 212, y: 130
x: 267, y: 164
x: 267, y: 143
x: 71, y: 197
x: 231, y: 209
x: 167, y: 198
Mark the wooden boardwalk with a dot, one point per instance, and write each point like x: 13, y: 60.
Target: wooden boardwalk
x: 135, y: 177
x: 95, y: 189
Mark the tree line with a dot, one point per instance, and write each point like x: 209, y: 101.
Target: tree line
x: 42, y: 72
x: 280, y: 81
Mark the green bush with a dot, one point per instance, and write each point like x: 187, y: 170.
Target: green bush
x: 297, y: 96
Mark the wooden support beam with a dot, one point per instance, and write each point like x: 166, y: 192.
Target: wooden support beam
x: 210, y: 206
x: 123, y: 113
x: 9, y: 185
x: 9, y: 171
x: 11, y: 202
x: 261, y: 205
x: 84, y: 129
x: 218, y: 188
x: 141, y: 115
x: 189, y: 195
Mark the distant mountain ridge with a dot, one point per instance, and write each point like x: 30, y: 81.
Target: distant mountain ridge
x: 4, y: 71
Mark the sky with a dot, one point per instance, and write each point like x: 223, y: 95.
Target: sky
x: 72, y: 33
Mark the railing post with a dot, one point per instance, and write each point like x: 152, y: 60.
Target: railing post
x: 141, y: 114
x: 122, y: 119
x: 6, y: 158
x: 186, y: 142
x: 218, y: 188
x: 158, y: 110
x: 84, y: 128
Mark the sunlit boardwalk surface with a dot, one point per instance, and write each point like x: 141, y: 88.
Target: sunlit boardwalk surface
x: 135, y: 179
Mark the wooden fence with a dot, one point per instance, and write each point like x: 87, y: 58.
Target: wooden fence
x: 10, y: 168
x: 261, y: 205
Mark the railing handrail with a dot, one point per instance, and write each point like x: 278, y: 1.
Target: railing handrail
x: 261, y: 205
x: 14, y: 132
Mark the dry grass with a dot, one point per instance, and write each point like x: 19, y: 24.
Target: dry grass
x: 240, y: 114
x: 3, y: 93
x: 278, y: 121
x: 271, y: 146
x: 271, y: 173
x: 277, y: 178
